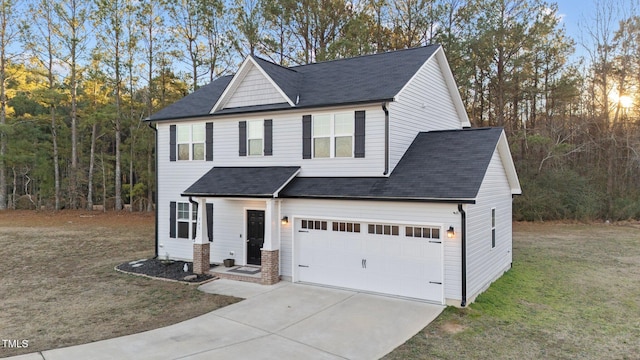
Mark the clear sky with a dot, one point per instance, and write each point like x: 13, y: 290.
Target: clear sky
x: 579, y: 15
x: 574, y: 12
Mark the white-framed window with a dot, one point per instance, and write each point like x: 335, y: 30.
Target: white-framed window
x: 255, y: 137
x: 333, y: 135
x: 187, y: 216
x: 191, y: 141
x: 384, y: 229
x: 313, y: 224
x: 493, y: 228
x: 423, y: 232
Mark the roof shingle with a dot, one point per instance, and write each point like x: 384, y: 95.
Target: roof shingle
x: 361, y: 79
x: 242, y: 181
x: 438, y: 166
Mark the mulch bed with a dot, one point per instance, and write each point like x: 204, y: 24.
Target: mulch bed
x: 164, y: 269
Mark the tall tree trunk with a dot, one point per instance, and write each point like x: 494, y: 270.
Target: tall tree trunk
x: 94, y: 130
x: 118, y: 124
x: 3, y: 104
x: 73, y: 185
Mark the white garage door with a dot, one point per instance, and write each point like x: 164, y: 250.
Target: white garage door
x: 388, y: 258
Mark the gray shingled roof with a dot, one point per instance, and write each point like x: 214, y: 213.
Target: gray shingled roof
x: 242, y: 181
x: 195, y: 104
x: 361, y: 79
x: 438, y: 166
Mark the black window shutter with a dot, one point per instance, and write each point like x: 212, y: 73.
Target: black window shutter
x: 172, y: 143
x: 242, y: 145
x: 268, y: 137
x: 209, y: 141
x: 306, y: 137
x: 210, y: 221
x: 172, y: 219
x: 359, y: 141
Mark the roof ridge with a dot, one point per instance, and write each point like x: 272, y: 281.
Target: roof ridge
x: 364, y: 55
x: 255, y: 57
x: 464, y: 129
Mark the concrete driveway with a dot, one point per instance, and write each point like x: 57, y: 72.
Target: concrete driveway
x: 283, y: 321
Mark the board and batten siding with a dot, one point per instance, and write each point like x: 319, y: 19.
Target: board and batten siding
x: 425, y: 104
x: 380, y: 211
x: 254, y: 89
x: 487, y: 263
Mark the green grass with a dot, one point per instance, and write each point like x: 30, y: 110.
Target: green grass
x: 573, y: 293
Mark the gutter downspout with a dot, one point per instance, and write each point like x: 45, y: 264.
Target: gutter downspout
x: 155, y: 200
x: 386, y: 139
x: 463, y: 238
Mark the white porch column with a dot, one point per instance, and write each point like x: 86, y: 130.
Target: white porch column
x: 201, y: 246
x: 201, y: 225
x: 270, y: 253
x: 272, y: 225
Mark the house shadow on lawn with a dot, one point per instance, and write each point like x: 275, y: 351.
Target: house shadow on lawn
x: 165, y: 270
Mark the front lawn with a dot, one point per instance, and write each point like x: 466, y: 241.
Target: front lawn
x: 573, y: 293
x: 59, y: 286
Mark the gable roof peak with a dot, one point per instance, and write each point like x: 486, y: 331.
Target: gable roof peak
x: 267, y: 72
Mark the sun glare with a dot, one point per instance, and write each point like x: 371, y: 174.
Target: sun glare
x: 625, y: 101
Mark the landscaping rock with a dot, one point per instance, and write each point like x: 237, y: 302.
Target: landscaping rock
x: 173, y: 270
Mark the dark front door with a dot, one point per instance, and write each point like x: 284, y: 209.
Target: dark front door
x: 255, y: 236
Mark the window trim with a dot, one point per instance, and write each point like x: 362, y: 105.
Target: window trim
x: 249, y: 137
x: 191, y: 219
x: 493, y: 228
x: 333, y: 135
x: 190, y: 141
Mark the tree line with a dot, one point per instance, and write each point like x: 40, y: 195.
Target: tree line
x: 77, y: 77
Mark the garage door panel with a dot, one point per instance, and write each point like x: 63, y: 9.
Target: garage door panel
x: 390, y: 263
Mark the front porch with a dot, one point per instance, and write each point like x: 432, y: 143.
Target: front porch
x: 239, y: 273
x: 255, y: 193
x: 267, y: 273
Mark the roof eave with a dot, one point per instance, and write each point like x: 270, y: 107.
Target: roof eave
x: 244, y: 196
x: 385, y: 198
x: 319, y: 106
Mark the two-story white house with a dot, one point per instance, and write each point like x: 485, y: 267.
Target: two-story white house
x: 359, y: 173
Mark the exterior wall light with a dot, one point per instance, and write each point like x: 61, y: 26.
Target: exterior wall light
x: 285, y: 220
x: 451, y: 233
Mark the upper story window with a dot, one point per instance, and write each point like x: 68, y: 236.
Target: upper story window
x: 255, y: 136
x: 333, y: 135
x: 191, y: 142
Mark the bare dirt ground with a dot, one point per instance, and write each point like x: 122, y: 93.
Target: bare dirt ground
x: 59, y: 288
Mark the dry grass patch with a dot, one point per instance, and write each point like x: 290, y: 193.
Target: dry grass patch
x: 572, y: 294
x: 59, y: 287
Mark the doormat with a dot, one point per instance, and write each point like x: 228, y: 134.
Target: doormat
x: 245, y: 270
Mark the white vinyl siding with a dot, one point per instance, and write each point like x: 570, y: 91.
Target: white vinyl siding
x: 229, y: 229
x: 176, y: 176
x: 287, y: 145
x: 425, y: 104
x: 254, y: 89
x: 487, y: 262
